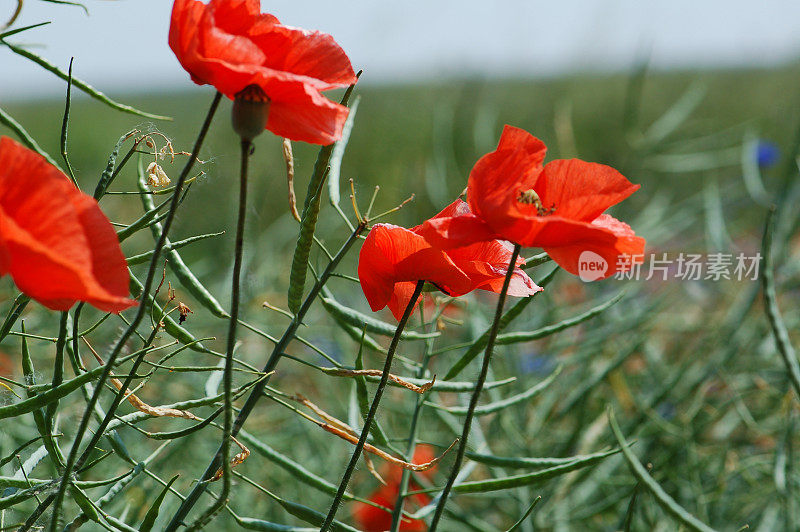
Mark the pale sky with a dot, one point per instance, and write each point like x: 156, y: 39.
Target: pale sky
x: 122, y: 45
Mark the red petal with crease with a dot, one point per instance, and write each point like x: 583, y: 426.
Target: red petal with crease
x: 393, y: 254
x: 54, y: 241
x: 497, y: 177
x: 231, y: 45
x: 393, y: 258
x: 580, y: 190
x: 606, y: 236
x: 557, y: 207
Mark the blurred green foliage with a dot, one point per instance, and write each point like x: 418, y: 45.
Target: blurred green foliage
x: 690, y: 367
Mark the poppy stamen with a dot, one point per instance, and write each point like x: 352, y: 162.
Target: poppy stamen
x: 530, y: 197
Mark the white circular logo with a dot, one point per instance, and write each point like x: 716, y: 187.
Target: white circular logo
x: 591, y: 266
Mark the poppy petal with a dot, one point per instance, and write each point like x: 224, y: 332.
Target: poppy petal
x: 392, y: 254
x: 299, y: 112
x: 486, y: 263
x: 497, y: 178
x: 231, y: 45
x: 456, y: 231
x: 312, y: 54
x: 580, y: 190
x: 607, y: 237
x: 58, y: 246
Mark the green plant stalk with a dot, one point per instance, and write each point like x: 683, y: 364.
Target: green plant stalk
x: 473, y: 402
x: 373, y: 409
x: 227, y: 379
x: 64, y: 127
x: 255, y: 394
x: 411, y: 443
x: 779, y: 330
x: 72, y: 460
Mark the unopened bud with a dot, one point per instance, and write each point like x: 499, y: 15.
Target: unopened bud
x: 250, y: 112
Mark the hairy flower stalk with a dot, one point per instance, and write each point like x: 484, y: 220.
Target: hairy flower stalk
x: 227, y: 379
x: 72, y: 461
x: 397, y: 513
x: 258, y: 389
x: 373, y: 407
x: 473, y: 402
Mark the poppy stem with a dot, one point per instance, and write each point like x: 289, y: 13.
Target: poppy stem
x: 387, y: 366
x: 257, y: 392
x: 73, y: 462
x: 227, y: 379
x: 473, y: 402
x: 397, y: 513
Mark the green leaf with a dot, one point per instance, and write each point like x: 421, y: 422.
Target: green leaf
x: 524, y: 462
x: 667, y: 503
x: 108, y: 174
x: 338, y: 154
x: 9, y: 33
x: 522, y: 519
x: 355, y: 318
x: 496, y: 406
x: 85, y: 504
x: 515, y: 481
x: 82, y: 85
x: 527, y: 336
x: 150, y: 518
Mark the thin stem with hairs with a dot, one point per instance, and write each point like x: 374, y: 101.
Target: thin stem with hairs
x: 227, y: 379
x: 269, y: 367
x: 373, y: 409
x: 72, y: 461
x: 397, y: 513
x: 473, y: 402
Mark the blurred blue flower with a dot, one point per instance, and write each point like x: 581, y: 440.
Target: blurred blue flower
x: 536, y: 363
x: 767, y: 153
x: 666, y: 410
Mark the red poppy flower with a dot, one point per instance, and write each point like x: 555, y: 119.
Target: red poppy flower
x: 394, y: 258
x: 557, y: 207
x: 55, y: 241
x: 372, y: 519
x: 229, y: 44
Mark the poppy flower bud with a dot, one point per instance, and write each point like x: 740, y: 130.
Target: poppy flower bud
x: 250, y: 112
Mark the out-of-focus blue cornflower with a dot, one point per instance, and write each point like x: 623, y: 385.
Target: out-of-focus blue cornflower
x: 536, y: 363
x: 767, y: 153
x: 666, y: 410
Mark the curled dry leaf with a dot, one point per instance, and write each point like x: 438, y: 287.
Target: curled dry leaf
x: 341, y: 426
x: 344, y: 431
x: 289, y: 158
x: 138, y: 404
x: 340, y: 372
x: 235, y: 461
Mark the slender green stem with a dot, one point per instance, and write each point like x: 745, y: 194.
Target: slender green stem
x: 373, y: 409
x: 227, y: 379
x: 397, y: 512
x: 72, y: 460
x: 776, y: 323
x: 64, y: 126
x: 473, y: 402
x: 58, y: 367
x: 258, y: 389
